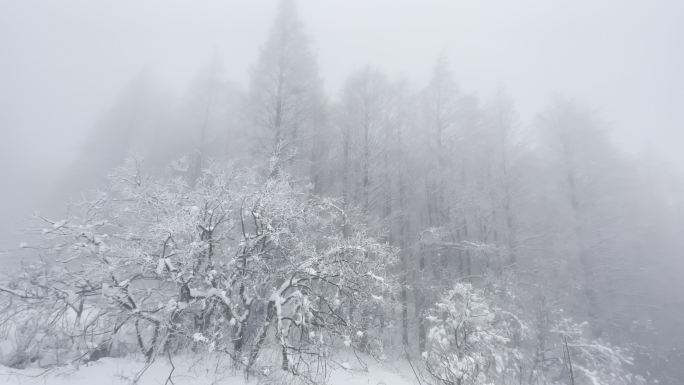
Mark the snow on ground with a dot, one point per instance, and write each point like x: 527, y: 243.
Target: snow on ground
x: 192, y: 371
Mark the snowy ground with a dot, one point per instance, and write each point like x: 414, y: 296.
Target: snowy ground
x: 207, y: 371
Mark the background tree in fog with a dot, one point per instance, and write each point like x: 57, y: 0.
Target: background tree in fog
x: 285, y: 94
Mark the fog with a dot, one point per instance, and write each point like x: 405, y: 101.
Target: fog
x: 73, y: 70
x: 69, y: 59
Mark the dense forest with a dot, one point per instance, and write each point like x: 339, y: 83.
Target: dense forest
x: 281, y: 226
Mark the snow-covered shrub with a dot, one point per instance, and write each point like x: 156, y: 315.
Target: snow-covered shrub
x: 559, y: 350
x: 590, y: 361
x: 232, y: 262
x: 24, y: 346
x: 40, y: 320
x: 468, y: 339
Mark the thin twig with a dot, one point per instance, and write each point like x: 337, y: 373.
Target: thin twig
x: 173, y: 368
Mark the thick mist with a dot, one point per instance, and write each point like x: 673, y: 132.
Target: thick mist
x: 524, y: 153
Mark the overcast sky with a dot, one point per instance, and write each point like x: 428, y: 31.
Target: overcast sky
x: 63, y: 62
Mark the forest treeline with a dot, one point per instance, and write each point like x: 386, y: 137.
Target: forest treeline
x: 393, y: 218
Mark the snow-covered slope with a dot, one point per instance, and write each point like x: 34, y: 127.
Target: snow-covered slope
x: 191, y: 371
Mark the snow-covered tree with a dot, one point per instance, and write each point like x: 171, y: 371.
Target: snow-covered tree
x: 234, y: 263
